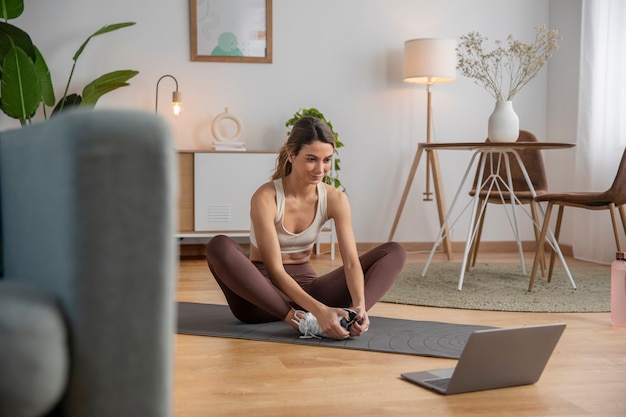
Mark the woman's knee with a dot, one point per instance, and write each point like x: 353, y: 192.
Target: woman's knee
x: 217, y: 246
x: 393, y: 254
x: 393, y: 250
x: 390, y: 254
x: 396, y: 249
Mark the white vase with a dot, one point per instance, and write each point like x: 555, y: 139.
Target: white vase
x: 503, y: 123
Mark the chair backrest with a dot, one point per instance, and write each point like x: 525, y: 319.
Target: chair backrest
x: 533, y: 161
x: 617, y: 192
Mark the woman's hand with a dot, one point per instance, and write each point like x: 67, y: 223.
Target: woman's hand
x: 362, y: 323
x: 328, y: 319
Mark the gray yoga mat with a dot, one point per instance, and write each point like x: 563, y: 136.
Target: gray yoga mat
x: 422, y: 338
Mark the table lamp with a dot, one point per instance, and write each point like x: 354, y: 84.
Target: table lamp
x: 177, y: 97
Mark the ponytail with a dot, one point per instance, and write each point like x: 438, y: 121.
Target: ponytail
x: 283, y: 166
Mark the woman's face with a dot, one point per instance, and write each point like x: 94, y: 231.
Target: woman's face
x: 312, y: 162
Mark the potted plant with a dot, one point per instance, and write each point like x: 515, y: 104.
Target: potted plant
x: 332, y: 178
x: 25, y: 82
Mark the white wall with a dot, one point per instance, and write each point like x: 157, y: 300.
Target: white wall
x: 562, y: 109
x: 343, y: 57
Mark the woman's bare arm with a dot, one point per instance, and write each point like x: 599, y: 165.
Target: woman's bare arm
x: 339, y: 210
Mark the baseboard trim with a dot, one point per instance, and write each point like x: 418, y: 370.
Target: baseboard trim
x: 459, y: 247
x: 198, y: 250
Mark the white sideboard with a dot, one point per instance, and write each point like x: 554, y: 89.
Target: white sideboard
x: 215, y: 189
x: 223, y: 185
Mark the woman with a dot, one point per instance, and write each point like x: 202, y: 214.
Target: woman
x: 277, y: 281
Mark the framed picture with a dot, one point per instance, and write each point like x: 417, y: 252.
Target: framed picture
x: 231, y: 30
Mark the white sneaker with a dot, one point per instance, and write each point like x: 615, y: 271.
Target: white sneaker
x: 308, y: 326
x: 346, y: 324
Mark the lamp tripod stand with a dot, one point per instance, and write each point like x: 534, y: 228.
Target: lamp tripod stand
x: 432, y: 168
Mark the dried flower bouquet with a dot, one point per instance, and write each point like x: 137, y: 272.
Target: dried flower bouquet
x: 504, y: 71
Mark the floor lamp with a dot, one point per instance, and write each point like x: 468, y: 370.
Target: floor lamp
x: 428, y: 61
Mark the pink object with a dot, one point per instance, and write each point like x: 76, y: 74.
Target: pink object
x: 618, y: 290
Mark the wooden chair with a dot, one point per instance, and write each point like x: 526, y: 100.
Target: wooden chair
x: 612, y: 199
x: 533, y: 161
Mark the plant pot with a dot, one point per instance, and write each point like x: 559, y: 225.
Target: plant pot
x: 503, y: 123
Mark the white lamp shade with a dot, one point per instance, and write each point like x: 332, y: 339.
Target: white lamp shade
x: 429, y: 61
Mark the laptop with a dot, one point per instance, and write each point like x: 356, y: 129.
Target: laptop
x: 495, y: 358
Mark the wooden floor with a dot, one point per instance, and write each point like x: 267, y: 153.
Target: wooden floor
x: 586, y: 375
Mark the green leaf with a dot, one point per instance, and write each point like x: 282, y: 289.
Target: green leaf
x: 10, y: 9
x: 47, y: 90
x: 105, y: 84
x: 20, y: 91
x: 67, y: 103
x: 13, y: 36
x: 101, y: 31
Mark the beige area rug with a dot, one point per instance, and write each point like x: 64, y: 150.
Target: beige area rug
x: 502, y: 287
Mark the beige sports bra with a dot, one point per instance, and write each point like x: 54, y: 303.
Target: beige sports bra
x: 296, y: 242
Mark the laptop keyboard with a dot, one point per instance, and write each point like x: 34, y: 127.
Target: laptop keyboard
x: 439, y: 382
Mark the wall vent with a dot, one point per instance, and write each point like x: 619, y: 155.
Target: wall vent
x: 220, y: 213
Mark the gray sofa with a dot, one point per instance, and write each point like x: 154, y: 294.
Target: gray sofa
x: 88, y: 266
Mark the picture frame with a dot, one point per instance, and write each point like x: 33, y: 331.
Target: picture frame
x: 231, y: 30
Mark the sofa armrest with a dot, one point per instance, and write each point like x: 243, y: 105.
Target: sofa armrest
x: 33, y: 351
x: 88, y: 215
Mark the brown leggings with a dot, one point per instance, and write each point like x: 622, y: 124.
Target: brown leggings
x: 253, y: 298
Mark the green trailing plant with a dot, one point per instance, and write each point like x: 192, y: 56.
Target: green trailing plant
x: 25, y: 82
x: 332, y: 178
